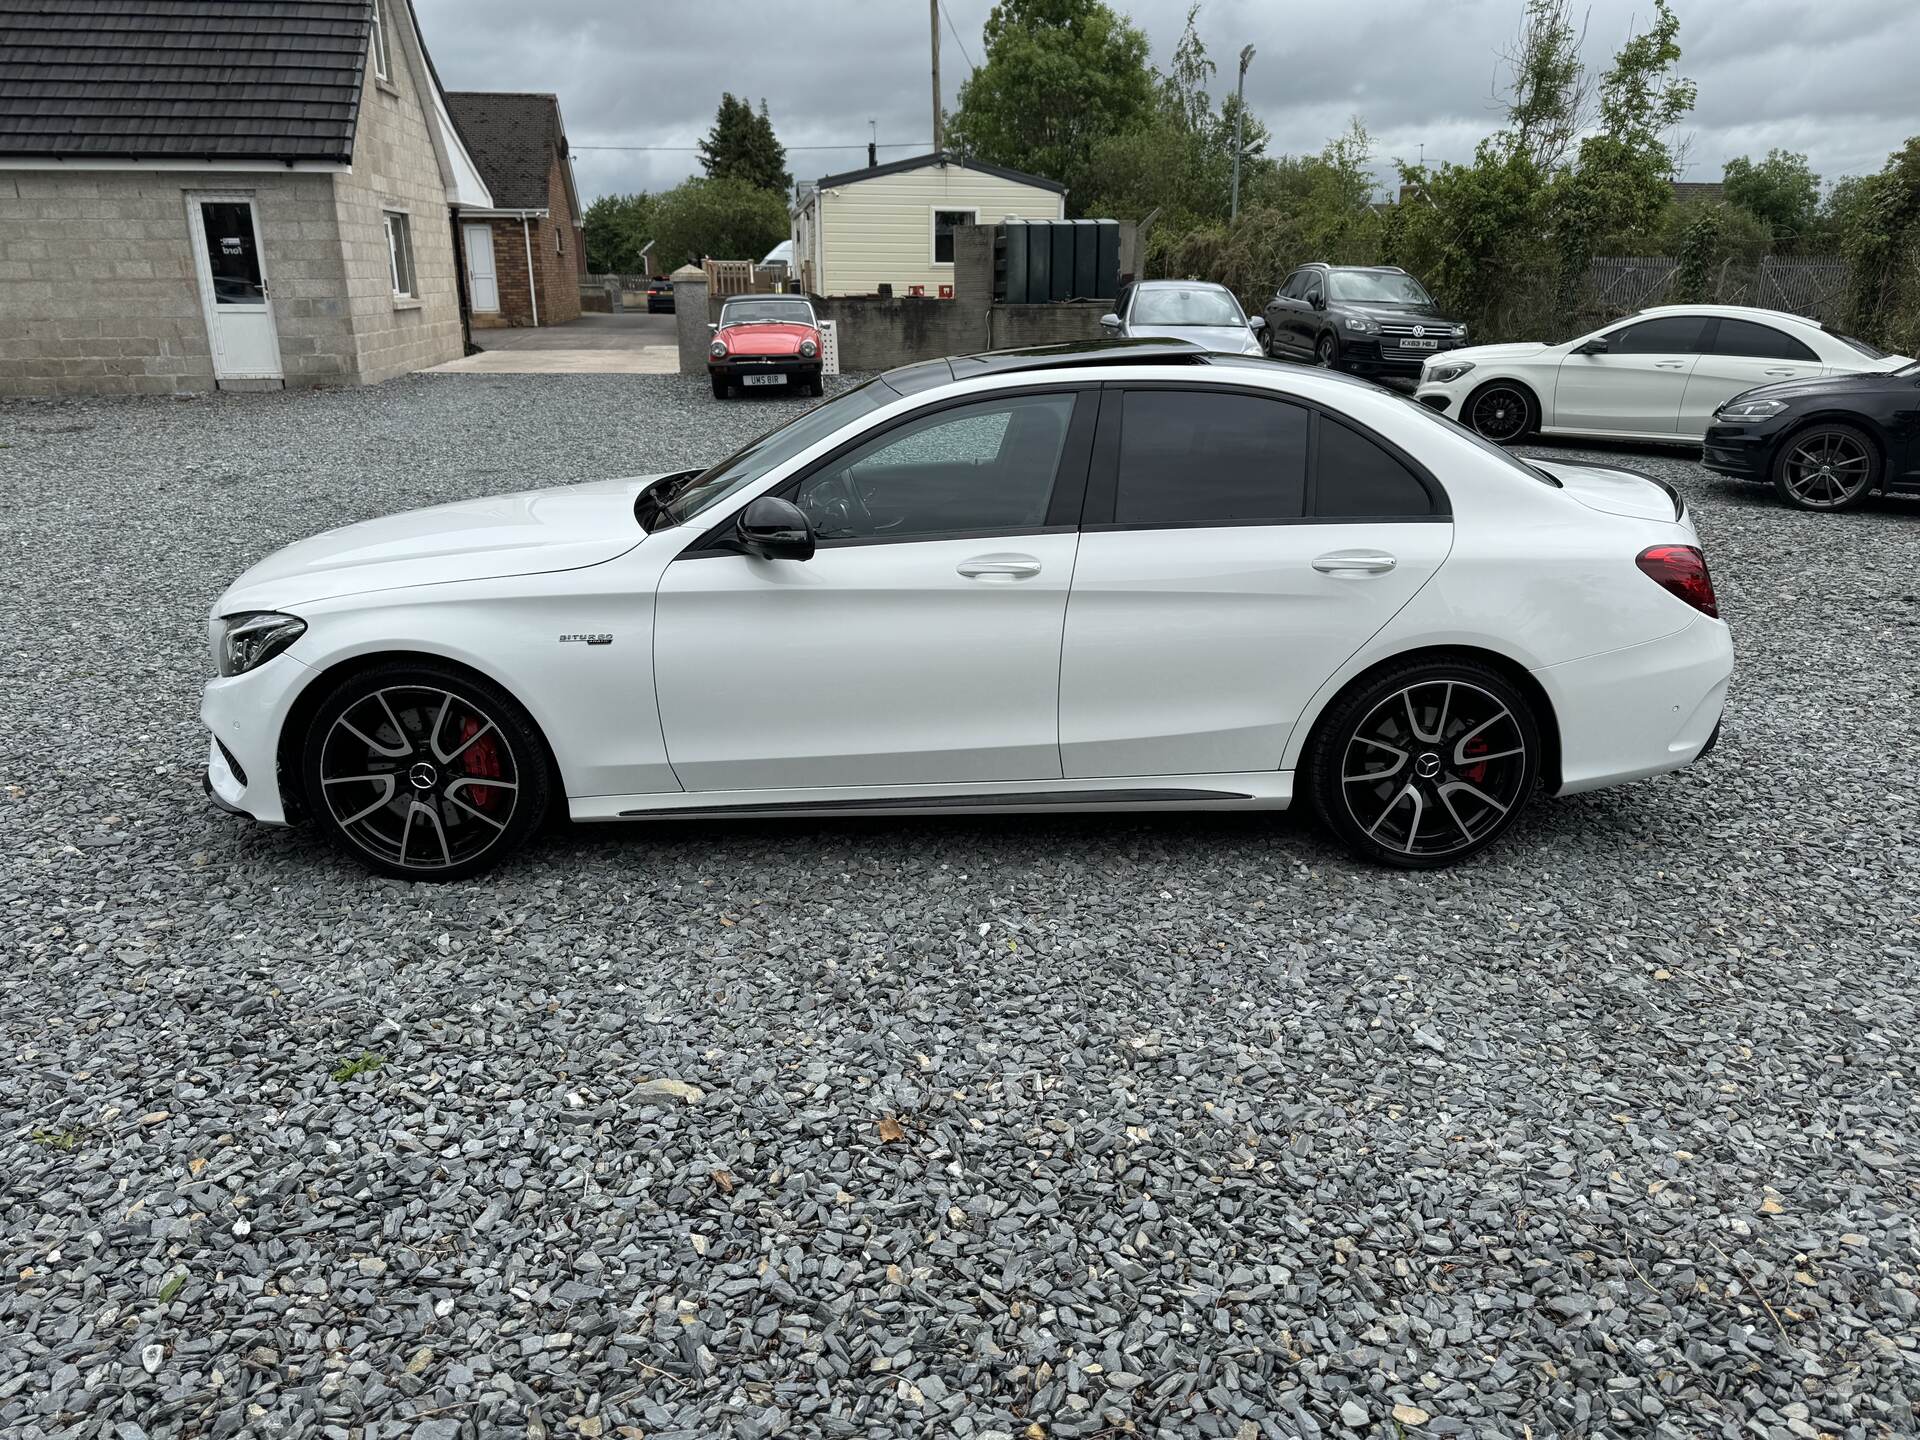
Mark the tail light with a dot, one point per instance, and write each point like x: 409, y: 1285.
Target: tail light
x: 1681, y: 570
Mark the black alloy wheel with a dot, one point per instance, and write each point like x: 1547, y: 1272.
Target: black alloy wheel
x: 423, y: 772
x: 1326, y: 353
x: 1426, y: 765
x: 1500, y: 412
x: 1827, y: 467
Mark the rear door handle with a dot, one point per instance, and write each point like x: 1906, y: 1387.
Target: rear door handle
x: 1784, y: 372
x: 1355, y: 562
x: 999, y: 567
x: 1669, y: 364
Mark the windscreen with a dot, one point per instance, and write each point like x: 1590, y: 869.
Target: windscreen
x: 1378, y: 287
x: 749, y: 312
x: 1186, y: 307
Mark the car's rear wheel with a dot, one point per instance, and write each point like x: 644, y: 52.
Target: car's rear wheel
x: 1425, y: 764
x: 1826, y: 467
x: 1326, y: 352
x: 1502, y: 412
x: 720, y: 387
x: 424, y: 772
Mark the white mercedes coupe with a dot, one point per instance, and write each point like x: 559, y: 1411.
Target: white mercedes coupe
x: 1126, y: 575
x: 1657, y: 375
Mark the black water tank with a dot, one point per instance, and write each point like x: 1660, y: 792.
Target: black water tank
x: 1060, y: 280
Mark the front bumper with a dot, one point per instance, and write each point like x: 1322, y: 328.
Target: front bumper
x: 737, y: 367
x: 1378, y: 355
x: 1742, y: 451
x: 1441, y: 398
x: 245, y: 715
x: 1641, y: 711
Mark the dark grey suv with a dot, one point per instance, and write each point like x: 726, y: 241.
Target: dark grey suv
x: 1374, y: 320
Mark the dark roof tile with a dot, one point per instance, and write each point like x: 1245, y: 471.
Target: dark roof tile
x: 513, y: 137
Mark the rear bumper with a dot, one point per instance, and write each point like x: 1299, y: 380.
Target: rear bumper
x: 1641, y: 711
x: 1742, y: 451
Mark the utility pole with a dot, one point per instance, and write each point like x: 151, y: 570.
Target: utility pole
x: 933, y: 14
x: 1239, y: 121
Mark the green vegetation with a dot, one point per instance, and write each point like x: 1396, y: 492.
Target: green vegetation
x: 366, y: 1064
x: 59, y: 1139
x: 742, y: 146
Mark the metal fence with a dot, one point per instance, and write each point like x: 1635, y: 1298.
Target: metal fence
x: 1620, y: 284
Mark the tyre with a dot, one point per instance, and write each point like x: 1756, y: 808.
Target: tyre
x: 1425, y: 764
x: 816, y: 386
x: 1502, y: 412
x: 720, y: 387
x: 1326, y: 352
x: 1266, y: 341
x: 424, y: 772
x: 1826, y: 467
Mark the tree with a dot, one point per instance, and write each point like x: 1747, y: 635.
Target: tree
x: 742, y: 146
x: 1547, y: 89
x: 728, y: 219
x: 1881, y: 242
x: 617, y: 226
x: 1781, y: 191
x: 1059, y: 76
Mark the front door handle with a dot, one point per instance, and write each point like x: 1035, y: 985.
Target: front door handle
x: 1355, y: 562
x: 1669, y: 364
x: 999, y: 567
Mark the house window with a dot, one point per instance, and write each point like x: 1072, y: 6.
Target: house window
x: 559, y: 239
x: 400, y: 255
x: 943, y: 223
x: 380, y: 63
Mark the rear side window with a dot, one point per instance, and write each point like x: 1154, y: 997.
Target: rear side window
x: 1758, y: 342
x: 1296, y: 286
x: 1192, y: 458
x: 1669, y: 335
x: 1357, y: 479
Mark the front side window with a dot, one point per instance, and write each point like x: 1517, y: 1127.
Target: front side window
x: 1759, y: 342
x: 381, y: 66
x: 1355, y: 478
x: 400, y: 254
x: 1294, y: 289
x: 761, y: 456
x: 1192, y: 457
x: 986, y: 468
x: 1668, y: 335
x: 1312, y: 291
x: 944, y: 222
x: 1187, y: 307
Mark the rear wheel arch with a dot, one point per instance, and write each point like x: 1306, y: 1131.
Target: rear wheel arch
x: 299, y: 721
x: 1507, y: 668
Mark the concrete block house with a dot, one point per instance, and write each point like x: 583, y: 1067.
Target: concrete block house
x: 203, y: 193
x: 525, y: 256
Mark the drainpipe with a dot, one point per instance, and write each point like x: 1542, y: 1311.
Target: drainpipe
x: 532, y: 294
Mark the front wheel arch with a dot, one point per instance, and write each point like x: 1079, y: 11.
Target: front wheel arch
x: 1836, y: 417
x: 1535, y: 416
x: 1510, y: 670
x: 293, y: 733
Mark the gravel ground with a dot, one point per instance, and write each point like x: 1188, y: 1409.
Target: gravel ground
x: 1019, y: 1127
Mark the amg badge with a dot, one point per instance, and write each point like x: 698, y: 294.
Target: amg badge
x: 586, y: 639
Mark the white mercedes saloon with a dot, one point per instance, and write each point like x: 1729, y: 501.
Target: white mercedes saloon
x: 1657, y: 375
x: 1125, y: 575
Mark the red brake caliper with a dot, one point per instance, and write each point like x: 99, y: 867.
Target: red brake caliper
x: 481, y: 758
x: 1478, y: 774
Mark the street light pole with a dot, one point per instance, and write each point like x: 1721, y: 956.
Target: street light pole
x: 1239, y: 118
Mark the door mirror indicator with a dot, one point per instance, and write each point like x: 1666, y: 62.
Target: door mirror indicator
x: 1596, y: 346
x: 775, y: 529
x: 1110, y: 321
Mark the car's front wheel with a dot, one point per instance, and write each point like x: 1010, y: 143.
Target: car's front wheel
x: 1502, y: 412
x: 1326, y: 352
x: 423, y: 771
x: 1425, y: 764
x: 1827, y: 467
x: 720, y: 387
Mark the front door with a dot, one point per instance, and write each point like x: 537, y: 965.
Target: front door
x: 1222, y: 578
x: 920, y: 645
x: 1636, y: 384
x: 483, y: 287
x: 233, y: 287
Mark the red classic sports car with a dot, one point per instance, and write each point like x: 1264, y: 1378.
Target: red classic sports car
x: 770, y: 340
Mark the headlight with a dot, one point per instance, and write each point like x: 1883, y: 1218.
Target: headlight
x: 1447, y: 371
x: 808, y: 349
x: 718, y: 350
x: 252, y: 640
x: 1459, y: 332
x: 1738, y: 409
x: 1358, y: 322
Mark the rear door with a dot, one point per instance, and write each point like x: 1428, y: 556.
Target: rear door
x: 1238, y: 548
x: 1283, y: 315
x: 921, y: 642
x: 1738, y: 355
x: 1635, y: 386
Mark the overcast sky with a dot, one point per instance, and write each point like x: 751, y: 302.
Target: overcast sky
x: 1832, y: 78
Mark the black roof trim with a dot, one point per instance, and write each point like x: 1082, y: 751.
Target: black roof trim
x: 1075, y: 354
x: 938, y: 157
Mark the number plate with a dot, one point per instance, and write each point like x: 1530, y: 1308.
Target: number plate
x: 1419, y: 344
x: 763, y: 379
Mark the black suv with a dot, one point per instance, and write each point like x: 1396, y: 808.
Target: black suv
x: 1368, y: 319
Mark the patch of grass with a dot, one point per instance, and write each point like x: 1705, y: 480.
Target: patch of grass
x: 350, y: 1069
x: 172, y: 1287
x: 59, y: 1139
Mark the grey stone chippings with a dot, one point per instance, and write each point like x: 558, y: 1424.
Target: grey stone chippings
x: 1178, y: 1126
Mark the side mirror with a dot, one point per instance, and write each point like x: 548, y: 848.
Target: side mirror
x: 1256, y: 323
x: 1110, y: 321
x: 775, y: 529
x: 1596, y: 346
x: 714, y: 325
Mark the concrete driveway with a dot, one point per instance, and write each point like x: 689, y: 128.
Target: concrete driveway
x: 631, y: 343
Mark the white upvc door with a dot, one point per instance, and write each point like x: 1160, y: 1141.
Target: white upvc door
x: 911, y: 663
x: 230, y: 263
x: 1195, y: 651
x: 483, y: 285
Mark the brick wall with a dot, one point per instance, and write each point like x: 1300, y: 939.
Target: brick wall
x: 510, y: 273
x: 560, y: 248
x: 98, y: 293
